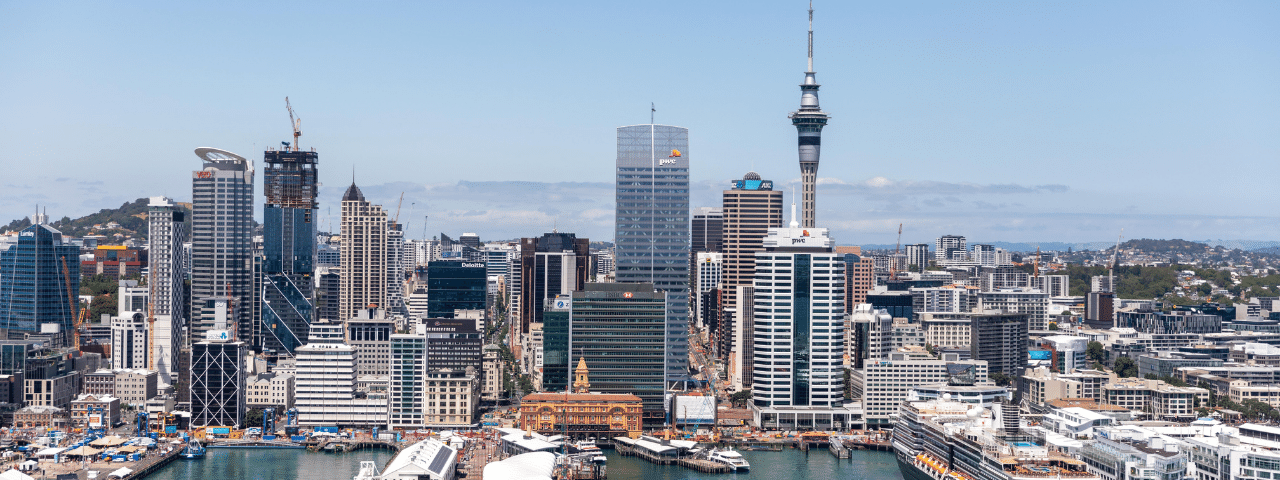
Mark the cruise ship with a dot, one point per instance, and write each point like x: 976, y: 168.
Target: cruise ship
x: 942, y: 439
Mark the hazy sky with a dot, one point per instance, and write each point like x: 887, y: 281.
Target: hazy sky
x: 1017, y: 121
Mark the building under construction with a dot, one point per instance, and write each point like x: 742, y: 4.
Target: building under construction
x: 289, y: 246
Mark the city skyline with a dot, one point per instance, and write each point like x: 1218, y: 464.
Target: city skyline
x: 994, y: 109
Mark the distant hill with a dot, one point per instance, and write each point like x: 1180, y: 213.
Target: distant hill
x: 131, y: 217
x: 1165, y: 246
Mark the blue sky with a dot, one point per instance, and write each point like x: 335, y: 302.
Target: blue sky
x: 1015, y: 121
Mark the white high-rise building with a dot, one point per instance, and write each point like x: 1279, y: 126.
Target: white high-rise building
x: 950, y: 247
x: 917, y: 255
x: 1032, y: 302
x: 710, y: 275
x: 166, y: 233
x: 129, y: 340
x: 1054, y: 285
x: 325, y: 387
x: 395, y: 270
x: 798, y: 377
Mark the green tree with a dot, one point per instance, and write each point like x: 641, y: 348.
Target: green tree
x: 1126, y: 368
x: 1096, y: 352
x: 102, y: 304
x: 740, y: 398
x: 1053, y: 326
x: 1151, y: 376
x: 252, y: 418
x: 1001, y: 379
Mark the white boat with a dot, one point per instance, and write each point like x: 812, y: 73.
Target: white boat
x: 586, y: 446
x: 731, y: 458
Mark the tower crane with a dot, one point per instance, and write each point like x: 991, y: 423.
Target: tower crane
x: 893, y: 264
x: 1111, y: 269
x: 71, y: 303
x: 296, y: 123
x: 398, y: 205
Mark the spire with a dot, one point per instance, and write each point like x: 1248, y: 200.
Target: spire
x: 581, y: 385
x: 794, y: 223
x: 810, y: 70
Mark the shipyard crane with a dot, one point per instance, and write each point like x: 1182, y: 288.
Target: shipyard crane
x: 296, y: 123
x: 1111, y: 269
x: 71, y: 301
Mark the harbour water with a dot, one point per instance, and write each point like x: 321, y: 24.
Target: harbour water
x: 270, y: 464
x: 817, y: 464
x: 291, y: 464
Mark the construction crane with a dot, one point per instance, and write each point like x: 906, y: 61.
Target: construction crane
x: 71, y: 302
x: 398, y: 205
x: 893, y: 263
x: 1035, y: 268
x: 296, y: 123
x: 1111, y: 269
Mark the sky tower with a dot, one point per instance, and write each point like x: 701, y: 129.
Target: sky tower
x: 809, y: 120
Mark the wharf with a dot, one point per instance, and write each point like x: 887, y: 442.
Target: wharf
x: 704, y: 466
x: 339, y: 445
x: 140, y: 469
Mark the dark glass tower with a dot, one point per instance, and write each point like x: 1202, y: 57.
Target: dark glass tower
x: 809, y: 120
x: 289, y: 248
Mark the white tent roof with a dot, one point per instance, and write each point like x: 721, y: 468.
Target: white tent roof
x: 123, y: 471
x: 15, y: 475
x: 49, y: 452
x: 526, y: 466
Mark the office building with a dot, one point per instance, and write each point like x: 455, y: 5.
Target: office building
x: 918, y: 257
x: 1069, y: 352
x: 289, y: 181
x: 809, y: 120
x: 218, y: 382
x: 750, y: 209
x: 707, y: 230
x: 950, y: 247
x: 370, y: 335
x: 364, y: 255
x: 221, y: 241
x: 799, y: 347
x: 883, y: 386
x: 651, y: 232
x: 947, y: 330
x: 1034, y: 303
x: 1099, y: 310
x: 406, y: 387
x: 1000, y: 339
x: 858, y: 276
x: 397, y: 270
x: 551, y: 265
x: 326, y: 383
x: 555, y: 344
x: 452, y: 343
x: 619, y: 328
x: 167, y: 275
x: 129, y: 340
x: 136, y: 386
x: 39, y: 281
x: 708, y: 276
x: 491, y: 388
x: 271, y: 390
x: 869, y: 336
x: 945, y: 299
x: 328, y: 291
x: 455, y: 285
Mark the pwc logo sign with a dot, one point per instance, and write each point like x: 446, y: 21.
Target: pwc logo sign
x: 668, y: 161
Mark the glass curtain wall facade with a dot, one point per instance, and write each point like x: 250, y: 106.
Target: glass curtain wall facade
x: 289, y: 248
x: 455, y: 286
x: 221, y: 240
x: 619, y: 329
x: 33, y: 288
x: 651, y: 232
x: 166, y: 232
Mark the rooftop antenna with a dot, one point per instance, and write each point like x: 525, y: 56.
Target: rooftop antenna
x: 652, y: 110
x: 794, y: 223
x: 810, y: 37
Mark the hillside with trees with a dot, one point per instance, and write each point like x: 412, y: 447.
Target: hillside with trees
x: 131, y: 216
x: 1148, y: 245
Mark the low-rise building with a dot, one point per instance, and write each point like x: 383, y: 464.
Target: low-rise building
x: 491, y: 389
x: 53, y: 392
x: 135, y: 387
x: 1075, y: 422
x: 270, y: 390
x: 884, y: 384
x: 1156, y: 458
x: 582, y: 414
x: 95, y: 411
x: 100, y: 382
x: 40, y: 416
x: 1251, y: 451
x: 1155, y: 398
x: 452, y: 397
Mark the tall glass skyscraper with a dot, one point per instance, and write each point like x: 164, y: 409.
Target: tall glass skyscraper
x: 33, y: 288
x: 289, y: 248
x: 222, y: 241
x: 651, y: 232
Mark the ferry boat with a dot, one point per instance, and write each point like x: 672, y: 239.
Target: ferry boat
x: 731, y: 458
x: 194, y: 450
x: 941, y: 439
x: 585, y: 446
